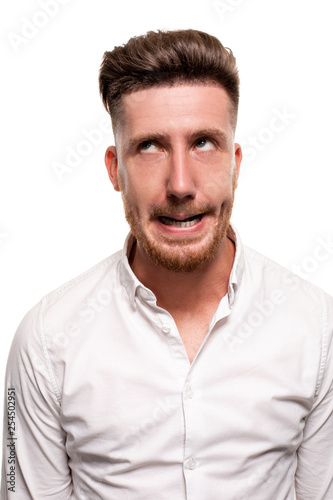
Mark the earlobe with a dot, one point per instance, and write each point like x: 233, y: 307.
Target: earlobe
x: 111, y: 163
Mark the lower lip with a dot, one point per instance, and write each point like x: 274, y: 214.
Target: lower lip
x: 182, y: 231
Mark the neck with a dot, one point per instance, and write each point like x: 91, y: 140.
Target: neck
x: 205, y: 285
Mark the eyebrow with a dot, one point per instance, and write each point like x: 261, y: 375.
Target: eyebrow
x: 132, y: 143
x: 206, y: 132
x: 211, y: 132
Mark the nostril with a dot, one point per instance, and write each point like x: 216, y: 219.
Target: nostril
x: 181, y: 188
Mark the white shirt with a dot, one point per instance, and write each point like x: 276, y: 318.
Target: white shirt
x: 107, y: 405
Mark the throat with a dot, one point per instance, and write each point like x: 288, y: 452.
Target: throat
x: 132, y: 255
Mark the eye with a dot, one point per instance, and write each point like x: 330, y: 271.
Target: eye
x: 148, y: 146
x: 204, y: 144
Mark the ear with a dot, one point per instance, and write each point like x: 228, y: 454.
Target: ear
x: 238, y: 160
x: 111, y: 162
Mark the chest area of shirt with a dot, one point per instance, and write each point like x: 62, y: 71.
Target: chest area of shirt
x: 124, y: 412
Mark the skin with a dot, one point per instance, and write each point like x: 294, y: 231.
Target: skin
x: 175, y: 156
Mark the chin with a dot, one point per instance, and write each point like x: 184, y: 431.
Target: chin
x: 183, y: 256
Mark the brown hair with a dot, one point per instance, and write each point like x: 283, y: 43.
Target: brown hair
x: 165, y: 58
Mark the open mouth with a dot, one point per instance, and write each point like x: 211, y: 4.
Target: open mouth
x: 188, y: 222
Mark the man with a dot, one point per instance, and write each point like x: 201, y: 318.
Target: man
x: 187, y: 366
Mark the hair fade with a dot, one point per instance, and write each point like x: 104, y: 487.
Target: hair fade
x: 166, y: 58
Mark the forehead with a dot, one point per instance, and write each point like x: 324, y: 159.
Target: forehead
x: 176, y: 109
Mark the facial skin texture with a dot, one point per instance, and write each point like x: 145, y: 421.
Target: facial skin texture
x: 175, y: 158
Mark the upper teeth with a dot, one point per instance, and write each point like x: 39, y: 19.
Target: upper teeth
x: 168, y: 221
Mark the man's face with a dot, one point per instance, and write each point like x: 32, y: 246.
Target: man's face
x: 176, y: 165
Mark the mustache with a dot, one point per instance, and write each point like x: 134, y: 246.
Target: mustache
x: 189, y: 209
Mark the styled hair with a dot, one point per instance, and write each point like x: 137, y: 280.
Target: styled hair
x: 166, y: 58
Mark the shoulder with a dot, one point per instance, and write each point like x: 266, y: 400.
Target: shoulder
x: 301, y: 313
x: 268, y: 274
x: 106, y: 270
x: 60, y: 306
x: 38, y: 348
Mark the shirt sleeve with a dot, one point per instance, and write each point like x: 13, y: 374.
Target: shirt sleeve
x: 35, y: 462
x: 314, y: 476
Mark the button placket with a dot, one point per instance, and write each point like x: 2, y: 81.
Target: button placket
x: 168, y: 329
x: 190, y: 462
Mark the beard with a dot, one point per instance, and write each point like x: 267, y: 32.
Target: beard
x: 181, y: 254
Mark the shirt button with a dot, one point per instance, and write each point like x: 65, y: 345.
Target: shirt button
x: 189, y: 392
x: 192, y: 463
x: 166, y: 328
x: 144, y: 293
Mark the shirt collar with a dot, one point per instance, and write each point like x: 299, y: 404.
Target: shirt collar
x: 237, y: 270
x: 132, y: 284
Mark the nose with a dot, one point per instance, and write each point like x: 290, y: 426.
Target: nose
x: 180, y: 182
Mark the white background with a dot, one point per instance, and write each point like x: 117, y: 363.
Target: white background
x: 55, y: 227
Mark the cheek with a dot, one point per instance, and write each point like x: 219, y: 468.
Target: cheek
x: 143, y: 186
x: 141, y: 195
x: 216, y: 173
x: 219, y: 186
